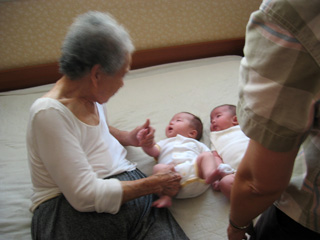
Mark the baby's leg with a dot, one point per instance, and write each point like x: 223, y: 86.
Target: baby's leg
x: 225, y: 184
x: 163, y: 201
x: 208, y: 163
x: 162, y: 167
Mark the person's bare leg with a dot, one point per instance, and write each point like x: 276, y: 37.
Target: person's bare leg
x: 225, y: 185
x: 208, y: 163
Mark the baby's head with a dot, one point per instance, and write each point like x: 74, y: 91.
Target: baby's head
x: 223, y: 117
x: 185, y: 124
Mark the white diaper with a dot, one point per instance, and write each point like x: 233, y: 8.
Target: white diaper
x: 191, y: 184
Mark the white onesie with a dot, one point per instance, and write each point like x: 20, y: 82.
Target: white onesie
x: 230, y: 144
x: 183, y: 152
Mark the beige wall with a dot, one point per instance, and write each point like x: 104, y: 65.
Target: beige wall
x: 31, y: 31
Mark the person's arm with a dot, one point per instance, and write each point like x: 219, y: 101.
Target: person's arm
x: 261, y: 178
x: 153, y: 151
x: 129, y: 138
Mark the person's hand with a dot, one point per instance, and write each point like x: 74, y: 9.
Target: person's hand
x: 237, y: 234
x: 169, y: 181
x: 144, y: 137
x: 141, y: 135
x: 146, y: 134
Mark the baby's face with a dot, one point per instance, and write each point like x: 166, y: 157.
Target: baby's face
x: 221, y: 118
x: 179, y: 124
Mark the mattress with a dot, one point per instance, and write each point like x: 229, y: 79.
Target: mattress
x: 154, y: 93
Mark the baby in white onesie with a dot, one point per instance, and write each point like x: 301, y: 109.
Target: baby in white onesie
x: 229, y: 142
x: 180, y: 151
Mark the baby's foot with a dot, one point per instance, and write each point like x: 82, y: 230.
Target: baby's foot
x: 162, y: 202
x: 216, y: 186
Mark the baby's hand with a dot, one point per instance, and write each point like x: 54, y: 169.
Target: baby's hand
x: 142, y: 134
x: 146, y: 137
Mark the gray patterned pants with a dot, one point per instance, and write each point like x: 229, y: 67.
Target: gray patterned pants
x: 57, y: 219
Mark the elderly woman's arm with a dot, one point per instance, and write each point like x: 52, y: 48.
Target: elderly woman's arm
x: 261, y: 178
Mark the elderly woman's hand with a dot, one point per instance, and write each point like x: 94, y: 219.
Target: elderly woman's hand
x: 170, y: 184
x: 166, y: 182
x: 169, y: 181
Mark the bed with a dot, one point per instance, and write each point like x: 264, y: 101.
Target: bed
x: 192, y: 78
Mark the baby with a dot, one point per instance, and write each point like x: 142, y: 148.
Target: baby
x: 180, y: 151
x: 229, y: 142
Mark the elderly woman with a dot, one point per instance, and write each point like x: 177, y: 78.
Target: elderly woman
x: 84, y: 188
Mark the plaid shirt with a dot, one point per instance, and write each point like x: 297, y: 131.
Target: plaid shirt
x: 279, y: 98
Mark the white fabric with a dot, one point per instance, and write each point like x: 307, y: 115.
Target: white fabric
x: 180, y: 149
x: 69, y: 156
x: 226, y: 168
x: 183, y: 152
x: 156, y: 93
x: 230, y: 144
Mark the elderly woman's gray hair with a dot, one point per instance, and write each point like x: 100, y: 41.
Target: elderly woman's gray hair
x: 94, y: 38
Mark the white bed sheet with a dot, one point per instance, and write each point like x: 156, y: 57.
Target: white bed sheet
x: 156, y: 93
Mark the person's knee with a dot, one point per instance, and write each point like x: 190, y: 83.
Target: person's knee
x: 203, y: 155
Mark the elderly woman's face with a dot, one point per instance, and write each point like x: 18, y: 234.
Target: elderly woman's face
x: 111, y: 84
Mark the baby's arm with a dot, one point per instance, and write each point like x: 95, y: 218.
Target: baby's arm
x: 152, y: 150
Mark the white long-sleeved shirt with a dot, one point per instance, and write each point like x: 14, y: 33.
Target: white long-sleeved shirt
x: 70, y: 157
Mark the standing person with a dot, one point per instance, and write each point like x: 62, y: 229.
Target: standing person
x: 279, y: 110
x: 83, y: 185
x: 183, y: 151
